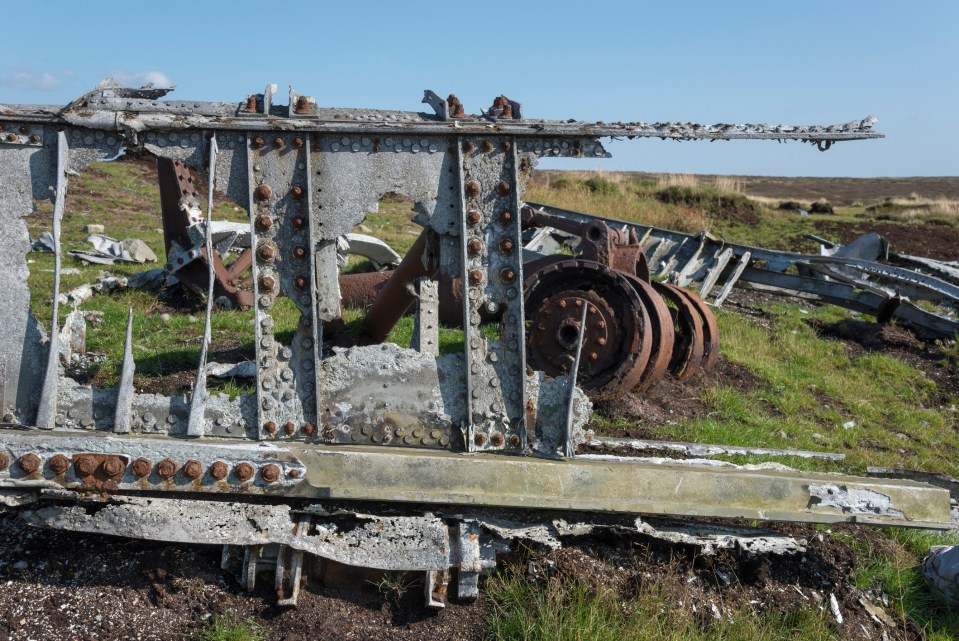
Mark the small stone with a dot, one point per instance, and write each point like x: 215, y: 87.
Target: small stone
x: 781, y: 434
x: 166, y: 318
x: 93, y: 229
x: 20, y: 565
x: 139, y: 251
x: 848, y: 425
x: 817, y: 436
x: 364, y: 229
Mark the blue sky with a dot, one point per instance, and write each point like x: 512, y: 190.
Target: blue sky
x: 730, y: 61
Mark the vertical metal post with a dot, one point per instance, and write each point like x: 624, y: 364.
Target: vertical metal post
x: 46, y: 413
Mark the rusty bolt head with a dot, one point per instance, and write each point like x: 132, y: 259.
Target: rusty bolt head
x: 29, y: 463
x: 298, y: 142
x: 476, y: 276
x: 113, y: 466
x: 269, y: 427
x: 289, y: 428
x: 514, y: 440
x: 472, y: 188
x: 23, y: 129
x: 506, y: 246
x: 468, y: 147
x: 302, y: 105
x: 299, y: 222
x: 166, y: 468
x: 487, y: 146
x: 250, y: 104
x: 243, y: 472
x: 497, y: 440
x: 300, y: 282
x: 506, y: 146
x: 59, y: 464
x: 563, y: 303
x: 12, y: 137
x: 299, y: 252
x: 259, y: 143
x: 265, y: 251
x: 141, y: 467
x: 479, y: 439
x: 505, y: 216
x: 4, y: 460
x: 270, y: 473
x: 308, y: 428
x: 508, y: 275
x: 264, y: 191
x: 601, y: 340
x: 219, y: 470
x: 593, y: 356
x: 267, y: 282
x: 264, y: 222
x: 504, y: 188
x: 474, y: 246
x: 473, y: 216
x: 279, y: 143
x: 86, y: 465
x: 192, y: 470
x: 293, y: 474
x: 297, y: 192
x: 35, y: 138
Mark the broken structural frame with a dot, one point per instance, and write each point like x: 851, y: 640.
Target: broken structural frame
x: 862, y: 276
x: 371, y: 431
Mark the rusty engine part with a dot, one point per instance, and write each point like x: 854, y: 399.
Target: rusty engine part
x: 632, y: 340
x: 318, y: 457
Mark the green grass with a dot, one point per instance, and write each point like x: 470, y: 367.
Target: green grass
x: 566, y: 610
x: 225, y: 628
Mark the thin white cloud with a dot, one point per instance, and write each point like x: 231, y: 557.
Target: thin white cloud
x: 141, y: 78
x: 27, y: 80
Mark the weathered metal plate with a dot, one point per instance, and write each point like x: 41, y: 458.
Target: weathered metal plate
x: 614, y: 484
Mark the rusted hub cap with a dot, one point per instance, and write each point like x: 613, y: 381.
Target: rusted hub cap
x: 616, y: 340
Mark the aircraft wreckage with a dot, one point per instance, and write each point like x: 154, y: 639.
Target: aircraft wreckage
x: 375, y: 456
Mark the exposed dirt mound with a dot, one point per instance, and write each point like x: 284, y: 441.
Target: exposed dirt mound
x: 672, y: 401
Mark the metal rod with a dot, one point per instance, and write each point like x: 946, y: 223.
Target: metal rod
x: 196, y: 425
x: 569, y: 447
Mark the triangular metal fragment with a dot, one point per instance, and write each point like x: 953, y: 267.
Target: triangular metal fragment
x: 124, y: 407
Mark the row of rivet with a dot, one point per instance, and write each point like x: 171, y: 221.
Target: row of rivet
x: 85, y: 465
x: 12, y: 134
x: 276, y: 373
x: 499, y: 291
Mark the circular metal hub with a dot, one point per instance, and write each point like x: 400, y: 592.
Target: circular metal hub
x: 616, y: 340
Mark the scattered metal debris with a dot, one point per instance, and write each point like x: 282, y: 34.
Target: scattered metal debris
x: 863, y: 275
x: 336, y: 439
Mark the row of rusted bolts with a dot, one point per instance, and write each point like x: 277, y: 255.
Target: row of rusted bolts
x: 113, y: 467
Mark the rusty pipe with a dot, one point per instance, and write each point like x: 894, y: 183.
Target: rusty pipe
x: 396, y: 296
